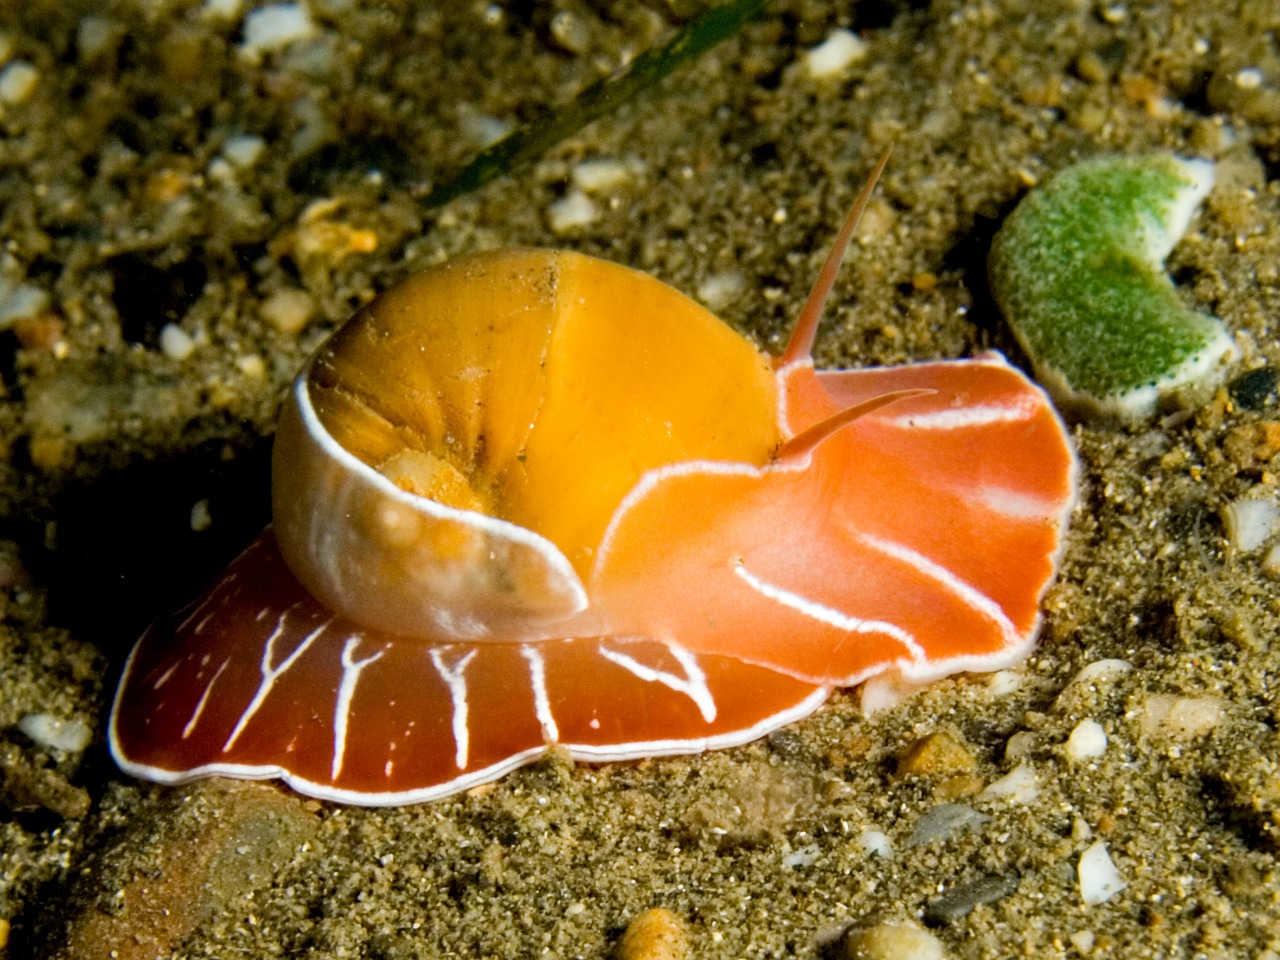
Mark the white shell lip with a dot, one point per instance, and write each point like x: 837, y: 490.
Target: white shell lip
x: 517, y: 585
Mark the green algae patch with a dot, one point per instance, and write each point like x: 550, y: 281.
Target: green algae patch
x: 1078, y: 270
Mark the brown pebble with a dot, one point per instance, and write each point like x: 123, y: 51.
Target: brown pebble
x: 924, y: 282
x: 41, y: 333
x: 849, y: 749
x: 892, y: 941
x: 961, y: 785
x: 937, y: 754
x: 656, y: 934
x: 200, y: 851
x: 1252, y: 444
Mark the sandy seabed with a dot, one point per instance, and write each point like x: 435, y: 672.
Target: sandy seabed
x: 187, y: 218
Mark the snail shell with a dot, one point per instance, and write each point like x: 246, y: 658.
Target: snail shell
x: 446, y: 465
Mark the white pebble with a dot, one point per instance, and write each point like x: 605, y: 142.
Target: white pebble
x: 572, y: 211
x: 805, y: 856
x: 243, y: 150
x: 1082, y: 940
x: 1019, y: 785
x: 875, y: 843
x: 1004, y: 682
x: 201, y: 519
x: 1087, y: 741
x: 1101, y: 672
x: 1250, y: 78
x: 176, y: 343
x: 834, y: 55
x: 1181, y: 718
x: 1271, y: 561
x: 24, y: 300
x: 97, y: 36
x: 221, y: 9
x: 482, y: 129
x: 48, y: 731
x: 1250, y: 523
x: 596, y: 176
x: 18, y: 81
x: 274, y: 27
x: 1099, y: 878
x: 718, y: 290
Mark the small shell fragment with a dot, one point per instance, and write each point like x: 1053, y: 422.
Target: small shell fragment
x: 1100, y: 880
x: 1087, y: 741
x: 1250, y: 523
x: 50, y: 732
x: 1019, y: 785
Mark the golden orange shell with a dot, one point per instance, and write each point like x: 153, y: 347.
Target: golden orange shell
x: 447, y: 464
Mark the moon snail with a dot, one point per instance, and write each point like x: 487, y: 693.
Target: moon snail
x: 531, y: 498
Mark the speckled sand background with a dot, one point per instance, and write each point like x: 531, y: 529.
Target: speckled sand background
x: 183, y: 220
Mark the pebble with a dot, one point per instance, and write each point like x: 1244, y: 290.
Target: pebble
x: 597, y: 176
x: 1252, y: 445
x: 945, y: 821
x: 1098, y: 675
x: 804, y: 857
x: 1180, y: 718
x: 1004, y: 682
x: 718, y: 290
x: 571, y: 212
x: 891, y: 941
x: 1078, y: 270
x: 1271, y: 561
x: 97, y: 38
x: 1254, y: 388
x: 1087, y: 741
x: 221, y: 9
x: 875, y: 843
x: 199, y: 851
x: 1100, y: 880
x: 18, y: 81
x: 20, y: 302
x: 483, y: 129
x: 1019, y: 785
x: 252, y: 365
x: 835, y: 55
x: 288, y: 310
x: 243, y: 151
x: 55, y: 733
x: 1250, y: 522
x: 656, y: 934
x: 937, y: 754
x: 175, y: 342
x: 201, y: 518
x: 959, y: 901
x: 274, y: 27
x: 1083, y: 940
